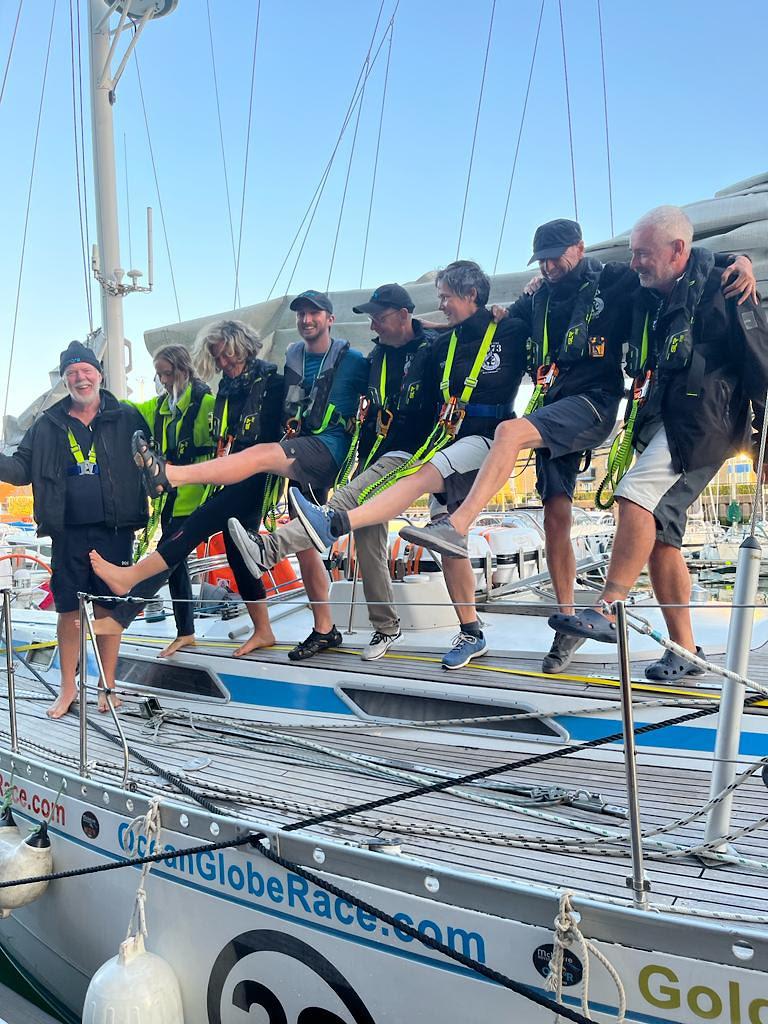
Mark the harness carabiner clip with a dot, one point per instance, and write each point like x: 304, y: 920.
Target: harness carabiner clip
x: 545, y: 375
x: 292, y: 427
x: 224, y: 446
x: 384, y: 422
x: 642, y: 387
x: 363, y: 409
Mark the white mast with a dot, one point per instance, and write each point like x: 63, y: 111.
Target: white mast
x: 105, y: 181
x: 106, y: 257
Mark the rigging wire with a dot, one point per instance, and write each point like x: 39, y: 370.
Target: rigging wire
x: 519, y: 135
x: 317, y: 195
x: 366, y: 68
x: 223, y: 154
x: 568, y: 109
x: 378, y: 147
x: 26, y: 217
x: 157, y: 185
x: 127, y: 199
x: 247, y: 153
x: 78, y: 142
x: 605, y: 112
x: 82, y: 152
x: 10, y: 52
x: 477, y: 121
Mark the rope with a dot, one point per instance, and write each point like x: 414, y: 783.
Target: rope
x: 247, y: 152
x: 378, y: 147
x: 10, y: 52
x: 477, y: 122
x: 567, y: 931
x: 26, y: 217
x: 157, y: 185
x: 352, y: 148
x: 223, y: 151
x: 150, y: 826
x: 519, y: 135
x: 78, y: 145
x: 317, y: 195
x: 568, y: 109
x: 605, y: 112
x: 83, y: 174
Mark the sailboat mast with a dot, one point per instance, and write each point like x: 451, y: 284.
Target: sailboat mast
x: 105, y: 180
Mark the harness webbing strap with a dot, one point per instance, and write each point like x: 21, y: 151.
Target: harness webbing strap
x: 448, y: 422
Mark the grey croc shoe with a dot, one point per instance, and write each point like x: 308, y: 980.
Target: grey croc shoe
x: 671, y: 667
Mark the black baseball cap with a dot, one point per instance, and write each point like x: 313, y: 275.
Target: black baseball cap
x: 386, y: 296
x: 553, y: 238
x: 317, y: 299
x: 76, y: 352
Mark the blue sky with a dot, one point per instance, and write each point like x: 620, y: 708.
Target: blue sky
x: 685, y: 88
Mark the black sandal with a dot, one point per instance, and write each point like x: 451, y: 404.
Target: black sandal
x: 152, y: 466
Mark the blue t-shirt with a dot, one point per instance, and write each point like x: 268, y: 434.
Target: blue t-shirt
x: 349, y: 382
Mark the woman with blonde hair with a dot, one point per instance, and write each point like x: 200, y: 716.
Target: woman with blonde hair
x: 245, y: 411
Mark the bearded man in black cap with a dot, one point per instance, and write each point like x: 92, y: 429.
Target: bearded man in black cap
x: 88, y: 494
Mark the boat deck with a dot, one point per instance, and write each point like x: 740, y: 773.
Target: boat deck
x: 280, y: 774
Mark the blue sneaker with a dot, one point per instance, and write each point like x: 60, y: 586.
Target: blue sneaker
x: 316, y: 519
x: 465, y: 648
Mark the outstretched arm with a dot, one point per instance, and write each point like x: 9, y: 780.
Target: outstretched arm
x: 17, y: 468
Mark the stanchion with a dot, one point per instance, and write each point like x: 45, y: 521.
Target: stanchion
x: 83, y: 690
x: 10, y: 671
x: 638, y: 883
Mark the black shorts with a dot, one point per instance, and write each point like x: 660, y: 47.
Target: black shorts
x: 314, y: 466
x: 72, y: 573
x: 570, y: 427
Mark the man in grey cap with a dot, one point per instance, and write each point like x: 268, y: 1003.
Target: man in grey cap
x: 87, y: 495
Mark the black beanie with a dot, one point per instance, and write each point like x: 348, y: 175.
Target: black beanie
x: 77, y: 352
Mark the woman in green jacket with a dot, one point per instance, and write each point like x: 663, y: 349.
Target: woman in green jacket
x: 179, y: 422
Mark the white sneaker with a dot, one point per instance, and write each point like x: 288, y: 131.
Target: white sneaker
x: 380, y: 644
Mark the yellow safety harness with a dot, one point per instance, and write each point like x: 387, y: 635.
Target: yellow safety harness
x: 450, y: 419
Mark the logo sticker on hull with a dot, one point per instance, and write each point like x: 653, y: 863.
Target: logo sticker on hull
x: 289, y: 981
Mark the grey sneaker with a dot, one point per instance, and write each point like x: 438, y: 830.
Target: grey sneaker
x: 251, y: 547
x: 561, y: 652
x: 380, y: 644
x: 437, y: 536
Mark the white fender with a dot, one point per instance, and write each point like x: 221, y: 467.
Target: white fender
x: 134, y: 987
x: 22, y: 859
x: 9, y: 831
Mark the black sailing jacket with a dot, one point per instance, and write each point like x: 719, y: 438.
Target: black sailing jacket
x: 44, y: 455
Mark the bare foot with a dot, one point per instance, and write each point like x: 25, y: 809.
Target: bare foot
x: 254, y: 642
x: 103, y: 706
x: 62, y: 704
x: 177, y: 644
x: 117, y: 577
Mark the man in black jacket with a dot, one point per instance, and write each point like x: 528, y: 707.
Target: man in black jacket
x: 87, y: 494
x: 703, y: 359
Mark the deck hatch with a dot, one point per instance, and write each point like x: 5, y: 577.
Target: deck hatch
x: 159, y: 675
x: 412, y: 707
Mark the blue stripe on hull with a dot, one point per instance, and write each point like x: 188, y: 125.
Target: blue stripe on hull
x: 279, y: 693
x: 675, y: 737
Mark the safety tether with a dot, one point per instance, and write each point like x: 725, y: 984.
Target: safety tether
x: 621, y: 453
x: 449, y: 420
